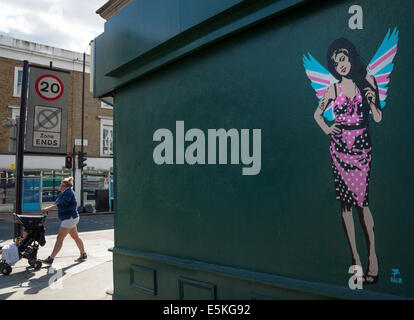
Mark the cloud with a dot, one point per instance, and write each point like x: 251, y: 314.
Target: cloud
x: 67, y: 24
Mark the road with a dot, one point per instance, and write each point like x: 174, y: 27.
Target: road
x: 86, y: 223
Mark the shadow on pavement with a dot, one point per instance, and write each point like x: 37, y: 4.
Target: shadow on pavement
x: 24, y: 279
x: 4, y: 296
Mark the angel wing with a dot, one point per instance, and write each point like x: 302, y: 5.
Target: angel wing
x: 381, y: 64
x: 320, y: 79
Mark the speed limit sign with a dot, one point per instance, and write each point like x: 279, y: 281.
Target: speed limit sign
x: 47, y: 110
x: 49, y: 87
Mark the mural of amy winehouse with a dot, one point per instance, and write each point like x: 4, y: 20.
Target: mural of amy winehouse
x: 349, y: 93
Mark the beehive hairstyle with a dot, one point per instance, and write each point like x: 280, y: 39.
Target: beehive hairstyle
x: 358, y: 72
x: 68, y: 182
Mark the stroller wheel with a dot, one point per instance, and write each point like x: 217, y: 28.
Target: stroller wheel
x: 6, y: 270
x: 37, y: 265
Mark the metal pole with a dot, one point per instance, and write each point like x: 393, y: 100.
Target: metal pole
x: 83, y: 113
x: 54, y: 185
x: 20, y: 148
x: 74, y: 166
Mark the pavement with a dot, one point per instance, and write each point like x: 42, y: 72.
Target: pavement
x: 66, y: 279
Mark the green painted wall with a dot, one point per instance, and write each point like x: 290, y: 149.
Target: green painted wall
x: 285, y: 221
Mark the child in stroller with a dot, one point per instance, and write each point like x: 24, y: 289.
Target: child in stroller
x: 34, y: 235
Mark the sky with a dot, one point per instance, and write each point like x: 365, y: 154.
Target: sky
x: 66, y: 24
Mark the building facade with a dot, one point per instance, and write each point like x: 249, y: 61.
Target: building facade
x: 98, y: 125
x: 192, y: 226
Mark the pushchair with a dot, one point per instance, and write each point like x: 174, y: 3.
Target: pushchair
x: 28, y: 247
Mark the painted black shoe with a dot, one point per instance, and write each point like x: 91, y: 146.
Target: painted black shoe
x: 49, y: 260
x: 82, y: 257
x: 368, y: 279
x: 371, y: 279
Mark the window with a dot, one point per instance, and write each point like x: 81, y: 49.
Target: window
x: 15, y: 112
x: 13, y: 130
x: 18, y: 78
x: 106, y: 137
x: 105, y: 105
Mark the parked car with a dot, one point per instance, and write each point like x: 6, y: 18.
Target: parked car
x: 49, y: 195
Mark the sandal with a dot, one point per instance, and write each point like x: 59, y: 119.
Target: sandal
x: 368, y: 279
x: 371, y: 279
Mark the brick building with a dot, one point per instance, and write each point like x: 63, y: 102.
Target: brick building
x: 98, y: 115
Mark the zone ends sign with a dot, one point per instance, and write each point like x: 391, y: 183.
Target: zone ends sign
x: 47, y: 127
x: 47, y: 111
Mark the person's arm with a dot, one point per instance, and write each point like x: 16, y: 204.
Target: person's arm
x: 318, y: 115
x: 372, y: 96
x: 52, y: 207
x: 58, y: 202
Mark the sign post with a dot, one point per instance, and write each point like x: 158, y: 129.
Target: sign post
x: 83, y: 115
x: 47, y: 108
x: 20, y: 149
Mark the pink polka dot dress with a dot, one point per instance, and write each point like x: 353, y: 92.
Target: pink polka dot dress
x: 351, y: 150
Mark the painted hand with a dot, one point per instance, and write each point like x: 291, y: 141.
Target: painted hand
x: 370, y: 95
x: 333, y: 129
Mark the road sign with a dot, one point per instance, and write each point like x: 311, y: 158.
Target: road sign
x: 49, y: 87
x: 12, y: 166
x: 47, y: 124
x: 47, y: 119
x: 47, y: 111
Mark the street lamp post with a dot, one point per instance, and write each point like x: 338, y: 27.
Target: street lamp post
x: 83, y: 114
x: 82, y: 154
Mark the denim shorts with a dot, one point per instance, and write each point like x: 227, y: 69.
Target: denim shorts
x: 69, y: 223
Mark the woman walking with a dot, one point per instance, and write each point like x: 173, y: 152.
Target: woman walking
x: 355, y: 96
x: 68, y: 214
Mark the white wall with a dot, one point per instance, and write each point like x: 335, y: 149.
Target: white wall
x: 41, y: 54
x: 51, y: 162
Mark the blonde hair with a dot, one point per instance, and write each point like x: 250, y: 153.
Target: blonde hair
x: 68, y: 182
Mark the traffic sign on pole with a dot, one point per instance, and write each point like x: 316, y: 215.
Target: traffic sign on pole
x: 47, y: 111
x: 49, y: 87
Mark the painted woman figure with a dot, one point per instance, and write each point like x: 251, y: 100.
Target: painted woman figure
x: 353, y: 96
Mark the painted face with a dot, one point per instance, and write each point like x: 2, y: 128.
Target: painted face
x: 342, y: 63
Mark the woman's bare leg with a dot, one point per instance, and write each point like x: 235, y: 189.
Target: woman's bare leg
x: 367, y: 223
x: 63, y: 232
x: 348, y: 224
x: 75, y: 236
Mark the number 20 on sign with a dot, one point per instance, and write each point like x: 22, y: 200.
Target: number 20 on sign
x: 49, y: 87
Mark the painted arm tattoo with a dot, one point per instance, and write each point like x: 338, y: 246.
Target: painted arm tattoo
x: 323, y: 103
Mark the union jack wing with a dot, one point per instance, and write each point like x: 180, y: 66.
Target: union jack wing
x: 320, y: 79
x: 381, y: 64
